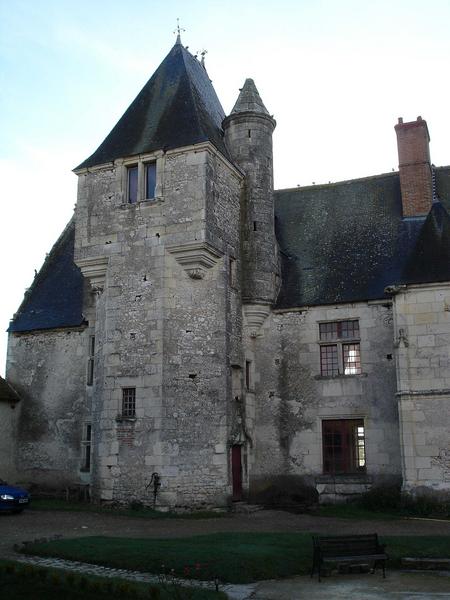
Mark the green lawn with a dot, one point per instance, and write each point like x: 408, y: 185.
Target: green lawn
x: 24, y: 582
x: 141, y: 512
x: 233, y: 557
x: 354, y: 511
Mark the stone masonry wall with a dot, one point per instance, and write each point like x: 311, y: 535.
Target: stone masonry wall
x: 7, y: 441
x: 48, y: 370
x: 159, y: 330
x: 291, y: 398
x: 422, y: 334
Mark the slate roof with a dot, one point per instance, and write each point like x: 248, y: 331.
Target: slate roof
x: 55, y: 298
x: 177, y: 107
x: 249, y: 100
x: 345, y: 242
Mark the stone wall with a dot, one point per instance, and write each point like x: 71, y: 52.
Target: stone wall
x: 422, y: 337
x: 7, y: 441
x: 291, y: 398
x: 48, y: 370
x: 167, y: 318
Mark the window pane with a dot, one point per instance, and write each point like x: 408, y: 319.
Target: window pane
x: 128, y: 402
x: 352, y: 359
x: 150, y: 180
x: 349, y: 329
x: 328, y: 331
x: 343, y: 446
x: 132, y: 184
x: 90, y: 372
x: 329, y: 364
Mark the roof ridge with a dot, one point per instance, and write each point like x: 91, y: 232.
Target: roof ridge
x: 185, y: 52
x: 334, y: 183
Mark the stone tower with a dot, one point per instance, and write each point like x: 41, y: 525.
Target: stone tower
x: 157, y: 237
x: 248, y: 137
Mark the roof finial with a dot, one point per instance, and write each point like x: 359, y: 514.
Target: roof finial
x: 203, y: 53
x: 178, y: 31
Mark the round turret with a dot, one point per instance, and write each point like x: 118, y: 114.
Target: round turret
x: 248, y: 137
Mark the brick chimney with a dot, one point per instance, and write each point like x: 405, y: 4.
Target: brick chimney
x: 416, y: 182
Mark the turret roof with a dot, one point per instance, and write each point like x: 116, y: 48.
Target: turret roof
x: 249, y: 100
x: 177, y: 107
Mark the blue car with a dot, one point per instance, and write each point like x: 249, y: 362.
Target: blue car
x: 12, y: 498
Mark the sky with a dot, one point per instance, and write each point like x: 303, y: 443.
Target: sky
x: 336, y: 75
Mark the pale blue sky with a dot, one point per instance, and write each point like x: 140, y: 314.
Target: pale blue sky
x: 336, y: 75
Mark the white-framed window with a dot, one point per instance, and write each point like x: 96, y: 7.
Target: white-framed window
x: 340, y: 352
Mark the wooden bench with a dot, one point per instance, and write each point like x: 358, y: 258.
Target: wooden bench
x: 348, y: 549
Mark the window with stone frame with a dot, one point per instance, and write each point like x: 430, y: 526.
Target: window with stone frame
x: 132, y: 184
x: 90, y: 365
x: 340, y: 352
x: 140, y: 181
x: 150, y: 180
x: 128, y: 402
x: 343, y: 446
x: 86, y: 447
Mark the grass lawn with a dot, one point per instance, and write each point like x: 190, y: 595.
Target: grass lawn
x: 24, y: 582
x: 146, y: 513
x: 353, y: 511
x: 233, y: 557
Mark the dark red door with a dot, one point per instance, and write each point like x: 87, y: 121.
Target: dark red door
x: 236, y: 472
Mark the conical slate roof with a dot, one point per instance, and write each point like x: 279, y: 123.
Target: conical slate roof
x: 249, y: 100
x: 177, y: 107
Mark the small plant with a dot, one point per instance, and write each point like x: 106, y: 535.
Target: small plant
x: 382, y: 498
x: 70, y: 578
x: 154, y: 593
x: 55, y: 579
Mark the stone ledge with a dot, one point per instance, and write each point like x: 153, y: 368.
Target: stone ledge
x: 426, y: 564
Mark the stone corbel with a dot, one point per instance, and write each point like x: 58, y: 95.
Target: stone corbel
x: 254, y: 317
x: 195, y: 258
x: 94, y: 269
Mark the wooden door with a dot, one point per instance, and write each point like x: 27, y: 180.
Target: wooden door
x: 236, y: 472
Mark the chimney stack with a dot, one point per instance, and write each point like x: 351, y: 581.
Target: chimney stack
x: 416, y: 182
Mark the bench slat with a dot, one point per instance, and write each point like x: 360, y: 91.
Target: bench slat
x: 349, y: 549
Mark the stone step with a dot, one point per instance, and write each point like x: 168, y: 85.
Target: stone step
x: 426, y: 564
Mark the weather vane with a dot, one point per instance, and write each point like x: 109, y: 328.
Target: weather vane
x: 179, y: 29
